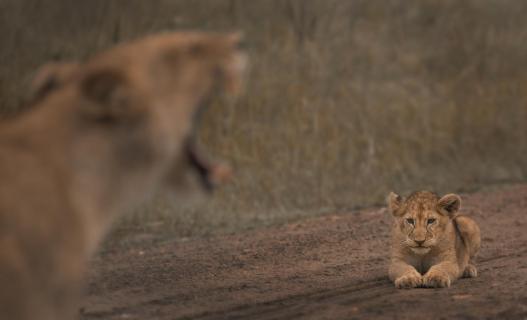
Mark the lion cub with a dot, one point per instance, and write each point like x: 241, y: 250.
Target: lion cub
x: 432, y: 244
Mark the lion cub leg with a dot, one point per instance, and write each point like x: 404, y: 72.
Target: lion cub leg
x: 470, y: 271
x: 404, y: 276
x: 441, y: 275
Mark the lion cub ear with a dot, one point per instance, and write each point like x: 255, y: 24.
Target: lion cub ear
x: 449, y: 204
x: 394, y: 202
x: 110, y: 96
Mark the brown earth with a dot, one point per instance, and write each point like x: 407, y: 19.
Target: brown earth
x: 333, y: 267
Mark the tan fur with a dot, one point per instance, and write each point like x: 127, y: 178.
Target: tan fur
x: 432, y: 244
x: 100, y: 138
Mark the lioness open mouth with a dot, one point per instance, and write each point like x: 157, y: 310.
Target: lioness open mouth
x: 210, y: 174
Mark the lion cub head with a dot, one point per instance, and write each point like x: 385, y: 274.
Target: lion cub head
x: 423, y: 219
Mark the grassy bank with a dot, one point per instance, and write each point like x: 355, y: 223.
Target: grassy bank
x: 346, y: 100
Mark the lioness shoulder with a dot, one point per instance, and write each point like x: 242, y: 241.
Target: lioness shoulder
x: 432, y: 244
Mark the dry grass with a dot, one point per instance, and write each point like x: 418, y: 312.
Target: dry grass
x: 346, y: 101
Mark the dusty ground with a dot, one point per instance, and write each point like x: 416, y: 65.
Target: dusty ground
x: 332, y: 267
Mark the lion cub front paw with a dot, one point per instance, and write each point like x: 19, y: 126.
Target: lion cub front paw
x: 470, y: 271
x: 407, y: 281
x: 436, y: 279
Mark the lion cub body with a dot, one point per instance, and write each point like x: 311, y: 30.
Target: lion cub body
x: 432, y: 244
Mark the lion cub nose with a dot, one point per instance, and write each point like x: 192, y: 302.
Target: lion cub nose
x: 419, y: 242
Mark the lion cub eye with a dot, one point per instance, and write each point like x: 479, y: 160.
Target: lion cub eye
x: 430, y: 221
x: 410, y: 221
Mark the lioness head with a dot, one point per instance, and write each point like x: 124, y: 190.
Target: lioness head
x: 422, y: 219
x: 147, y: 96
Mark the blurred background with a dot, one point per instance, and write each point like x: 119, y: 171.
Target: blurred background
x: 345, y: 101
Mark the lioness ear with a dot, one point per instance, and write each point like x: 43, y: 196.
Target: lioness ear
x: 50, y: 77
x: 394, y: 202
x: 110, y: 96
x: 237, y: 40
x: 449, y: 204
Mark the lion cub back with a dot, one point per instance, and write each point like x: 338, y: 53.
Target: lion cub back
x: 469, y: 232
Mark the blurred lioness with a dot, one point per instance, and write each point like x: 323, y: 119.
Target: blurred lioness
x: 101, y: 137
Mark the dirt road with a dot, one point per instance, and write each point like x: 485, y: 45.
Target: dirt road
x: 332, y: 267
